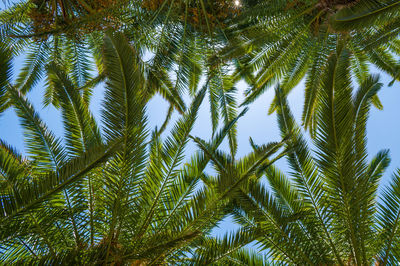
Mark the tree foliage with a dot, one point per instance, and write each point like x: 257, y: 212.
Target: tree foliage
x: 328, y: 211
x: 116, y: 191
x: 120, y: 196
x: 288, y: 41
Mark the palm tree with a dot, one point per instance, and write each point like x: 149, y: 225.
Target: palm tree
x: 115, y: 195
x: 329, y: 211
x: 285, y: 41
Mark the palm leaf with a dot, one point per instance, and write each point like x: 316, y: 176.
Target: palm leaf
x: 5, y: 74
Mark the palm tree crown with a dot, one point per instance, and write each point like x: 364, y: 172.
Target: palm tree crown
x: 285, y: 41
x: 118, y: 197
x: 329, y: 211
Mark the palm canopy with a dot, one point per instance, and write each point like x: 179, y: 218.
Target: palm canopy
x: 270, y: 41
x: 71, y: 31
x: 328, y: 212
x: 286, y: 41
x: 81, y: 55
x: 120, y: 196
x: 173, y: 37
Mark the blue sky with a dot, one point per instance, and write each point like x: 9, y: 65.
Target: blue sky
x: 383, y: 127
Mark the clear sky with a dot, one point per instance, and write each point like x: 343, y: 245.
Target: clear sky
x: 383, y: 126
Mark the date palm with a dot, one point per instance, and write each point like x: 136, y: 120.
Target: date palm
x: 329, y: 211
x: 286, y: 41
x: 115, y: 195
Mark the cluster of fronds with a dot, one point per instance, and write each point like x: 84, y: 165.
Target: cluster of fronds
x: 49, y: 15
x: 121, y: 196
x: 298, y: 37
x: 204, y: 16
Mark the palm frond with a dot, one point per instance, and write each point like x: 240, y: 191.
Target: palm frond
x: 33, y: 67
x: 162, y: 171
x: 29, y: 195
x: 389, y: 217
x: 5, y: 74
x: 43, y: 147
x: 80, y: 126
x: 363, y: 15
x: 227, y: 250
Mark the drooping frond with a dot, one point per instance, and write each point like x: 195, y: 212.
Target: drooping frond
x: 79, y: 67
x: 80, y: 127
x: 43, y: 147
x: 33, y: 67
x: 228, y: 250
x: 5, y: 74
x: 29, y: 195
x: 366, y: 13
x: 362, y: 102
x: 125, y: 97
x: 389, y: 222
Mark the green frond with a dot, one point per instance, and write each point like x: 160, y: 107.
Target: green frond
x: 385, y: 61
x: 162, y: 170
x: 273, y: 225
x: 158, y: 81
x: 229, y: 111
x: 359, y: 64
x: 78, y: 61
x: 33, y: 67
x: 366, y: 13
x: 274, y: 62
x: 12, y: 166
x: 389, y: 221
x: 29, y: 195
x: 223, y: 103
x: 307, y: 181
x: 313, y: 86
x: 14, y: 20
x: 378, y: 165
x: 95, y: 42
x: 296, y: 73
x: 87, y: 89
x: 227, y: 250
x: 43, y: 147
x: 189, y: 61
x: 125, y: 96
x: 80, y: 127
x: 166, y: 120
x: 362, y: 102
x: 5, y: 74
x: 213, y: 95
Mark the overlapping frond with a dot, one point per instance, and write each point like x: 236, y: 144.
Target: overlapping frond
x: 43, y: 147
x: 80, y: 127
x: 28, y: 194
x: 228, y: 250
x: 33, y: 68
x: 325, y: 213
x: 5, y: 74
x: 389, y: 222
x: 366, y: 13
